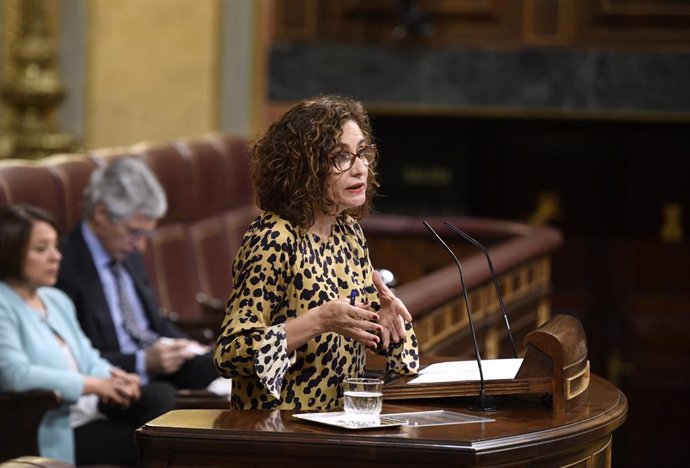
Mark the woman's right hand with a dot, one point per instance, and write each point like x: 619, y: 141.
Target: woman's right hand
x: 337, y: 316
x: 357, y: 322
x: 113, y: 390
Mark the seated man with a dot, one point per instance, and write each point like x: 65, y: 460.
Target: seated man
x: 103, y: 272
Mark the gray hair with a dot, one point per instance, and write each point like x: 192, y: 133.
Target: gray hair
x: 126, y: 187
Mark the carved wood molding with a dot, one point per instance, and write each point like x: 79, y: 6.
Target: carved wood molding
x: 523, y: 286
x: 597, y: 23
x: 628, y: 22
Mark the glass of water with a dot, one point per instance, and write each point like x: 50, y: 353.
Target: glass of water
x: 363, y: 399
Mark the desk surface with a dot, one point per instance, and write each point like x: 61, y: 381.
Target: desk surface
x: 524, y: 430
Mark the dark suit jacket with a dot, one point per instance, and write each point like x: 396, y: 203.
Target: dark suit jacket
x: 79, y: 279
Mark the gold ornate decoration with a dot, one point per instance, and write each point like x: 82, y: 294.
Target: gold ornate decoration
x: 547, y: 210
x: 35, y: 88
x: 671, y: 231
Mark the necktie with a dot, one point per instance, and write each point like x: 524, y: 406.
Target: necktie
x: 142, y: 336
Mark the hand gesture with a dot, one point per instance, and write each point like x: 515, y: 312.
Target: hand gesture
x: 393, y: 313
x: 354, y: 321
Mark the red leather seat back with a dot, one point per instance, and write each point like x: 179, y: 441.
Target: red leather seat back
x: 211, y: 245
x: 211, y: 177
x: 172, y: 267
x: 236, y: 152
x: 73, y: 174
x: 29, y: 182
x: 174, y: 171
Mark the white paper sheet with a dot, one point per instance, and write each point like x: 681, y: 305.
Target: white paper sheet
x: 467, y: 371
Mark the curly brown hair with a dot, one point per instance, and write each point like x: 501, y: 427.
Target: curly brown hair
x: 291, y: 161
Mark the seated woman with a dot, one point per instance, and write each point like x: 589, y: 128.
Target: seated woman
x: 306, y: 301
x: 42, y: 347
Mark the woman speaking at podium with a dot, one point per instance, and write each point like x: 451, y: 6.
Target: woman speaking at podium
x: 306, y: 302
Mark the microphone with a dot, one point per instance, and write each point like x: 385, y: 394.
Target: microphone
x: 476, y: 243
x: 483, y: 403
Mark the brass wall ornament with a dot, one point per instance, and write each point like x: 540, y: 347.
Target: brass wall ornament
x: 34, y: 89
x: 671, y: 231
x: 548, y: 209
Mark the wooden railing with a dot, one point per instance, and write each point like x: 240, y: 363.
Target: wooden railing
x: 521, y: 257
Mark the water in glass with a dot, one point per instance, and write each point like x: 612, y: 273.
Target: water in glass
x: 363, y: 399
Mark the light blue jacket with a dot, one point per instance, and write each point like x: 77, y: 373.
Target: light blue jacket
x: 31, y: 358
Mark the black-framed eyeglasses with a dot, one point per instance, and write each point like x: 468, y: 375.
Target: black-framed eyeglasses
x: 137, y: 233
x: 344, y: 160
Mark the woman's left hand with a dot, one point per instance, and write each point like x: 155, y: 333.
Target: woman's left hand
x: 392, y: 315
x: 130, y: 381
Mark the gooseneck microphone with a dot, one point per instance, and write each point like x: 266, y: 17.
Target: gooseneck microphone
x: 483, y: 403
x: 476, y: 243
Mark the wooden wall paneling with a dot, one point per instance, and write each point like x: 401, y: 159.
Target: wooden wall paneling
x: 415, y: 170
x: 657, y: 187
x: 453, y: 20
x: 595, y: 23
x: 456, y: 21
x: 633, y: 22
x: 471, y: 22
x: 548, y: 22
x: 642, y: 8
x: 295, y: 19
x: 651, y: 358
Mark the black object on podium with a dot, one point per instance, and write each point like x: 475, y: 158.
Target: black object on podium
x: 483, y: 404
x: 476, y: 243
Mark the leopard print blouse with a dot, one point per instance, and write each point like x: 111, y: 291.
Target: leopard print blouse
x: 281, y: 271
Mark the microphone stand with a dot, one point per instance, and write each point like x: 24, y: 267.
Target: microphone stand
x: 483, y: 403
x: 476, y: 243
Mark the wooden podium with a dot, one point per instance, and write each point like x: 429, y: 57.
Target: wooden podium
x: 555, y: 363
x: 574, y: 432
x: 523, y: 433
